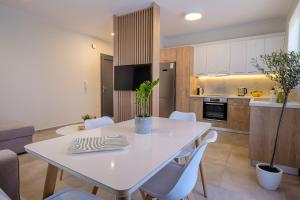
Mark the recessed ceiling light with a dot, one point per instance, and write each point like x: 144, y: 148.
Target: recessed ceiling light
x: 193, y: 16
x: 112, y: 34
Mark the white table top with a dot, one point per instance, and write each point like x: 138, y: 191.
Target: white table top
x: 122, y: 172
x: 70, y: 129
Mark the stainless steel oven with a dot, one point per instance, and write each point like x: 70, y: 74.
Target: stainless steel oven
x: 215, y: 108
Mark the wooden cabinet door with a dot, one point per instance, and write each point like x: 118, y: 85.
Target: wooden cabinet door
x: 238, y: 57
x: 168, y: 55
x: 184, y: 64
x: 199, y: 67
x: 239, y: 114
x: 218, y: 56
x: 255, y: 48
x: 196, y: 106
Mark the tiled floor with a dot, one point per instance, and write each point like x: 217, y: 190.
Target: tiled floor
x: 229, y: 175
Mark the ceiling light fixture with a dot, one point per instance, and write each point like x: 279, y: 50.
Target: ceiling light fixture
x: 193, y: 16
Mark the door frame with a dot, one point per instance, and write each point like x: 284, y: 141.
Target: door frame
x: 103, y: 56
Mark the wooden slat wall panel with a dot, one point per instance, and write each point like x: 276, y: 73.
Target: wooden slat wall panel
x: 136, y: 41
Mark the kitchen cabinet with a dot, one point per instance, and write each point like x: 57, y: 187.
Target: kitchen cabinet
x: 200, y: 60
x: 184, y: 64
x: 196, y: 106
x: 218, y: 56
x: 263, y: 124
x: 168, y: 55
x: 255, y: 48
x: 238, y: 56
x: 274, y: 44
x: 239, y: 114
x: 184, y: 58
x: 234, y: 56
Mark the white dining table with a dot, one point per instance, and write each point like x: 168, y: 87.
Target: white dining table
x: 119, y: 172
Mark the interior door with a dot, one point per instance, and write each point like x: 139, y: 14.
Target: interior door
x: 106, y: 85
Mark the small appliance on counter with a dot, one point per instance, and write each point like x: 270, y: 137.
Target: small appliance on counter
x: 242, y: 91
x: 200, y: 91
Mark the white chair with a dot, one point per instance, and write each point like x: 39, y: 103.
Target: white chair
x: 176, y: 181
x: 96, y: 123
x: 92, y: 124
x: 191, y: 117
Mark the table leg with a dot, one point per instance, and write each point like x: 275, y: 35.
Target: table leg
x: 50, y: 181
x: 95, y: 190
x: 61, y: 174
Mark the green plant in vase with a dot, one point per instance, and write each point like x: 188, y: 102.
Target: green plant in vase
x: 283, y: 68
x: 143, y: 122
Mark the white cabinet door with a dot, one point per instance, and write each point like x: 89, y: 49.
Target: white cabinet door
x: 274, y: 43
x: 238, y: 57
x: 255, y: 48
x: 199, y: 60
x: 218, y: 56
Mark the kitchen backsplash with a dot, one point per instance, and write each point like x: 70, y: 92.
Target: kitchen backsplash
x: 227, y: 85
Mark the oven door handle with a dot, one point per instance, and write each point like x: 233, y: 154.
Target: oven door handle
x: 217, y: 104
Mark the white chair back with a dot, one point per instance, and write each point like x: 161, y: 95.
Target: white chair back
x: 189, y: 176
x: 185, y: 116
x: 96, y: 123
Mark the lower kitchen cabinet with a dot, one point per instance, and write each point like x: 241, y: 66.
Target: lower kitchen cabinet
x: 238, y: 116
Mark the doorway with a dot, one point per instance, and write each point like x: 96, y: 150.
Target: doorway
x: 107, y: 85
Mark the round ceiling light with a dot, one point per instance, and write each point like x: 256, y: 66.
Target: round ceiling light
x: 193, y: 16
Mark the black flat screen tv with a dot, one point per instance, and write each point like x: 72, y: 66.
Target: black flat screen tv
x: 129, y: 77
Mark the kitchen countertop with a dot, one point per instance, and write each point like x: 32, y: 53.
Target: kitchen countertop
x: 266, y: 102
x: 227, y: 96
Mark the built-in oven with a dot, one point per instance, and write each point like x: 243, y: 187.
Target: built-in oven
x: 215, y: 108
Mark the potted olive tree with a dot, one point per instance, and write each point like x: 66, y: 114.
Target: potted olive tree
x: 143, y: 120
x: 284, y: 69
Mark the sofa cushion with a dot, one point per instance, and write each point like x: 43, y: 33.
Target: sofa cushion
x: 14, y: 129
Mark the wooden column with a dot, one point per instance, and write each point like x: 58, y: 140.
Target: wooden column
x: 136, y: 41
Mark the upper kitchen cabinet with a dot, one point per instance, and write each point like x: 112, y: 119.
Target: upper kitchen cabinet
x: 275, y: 43
x: 234, y: 56
x: 255, y: 48
x: 238, y: 55
x: 218, y: 56
x: 168, y: 55
x: 199, y: 60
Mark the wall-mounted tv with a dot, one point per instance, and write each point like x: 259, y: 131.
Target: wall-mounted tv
x: 129, y: 77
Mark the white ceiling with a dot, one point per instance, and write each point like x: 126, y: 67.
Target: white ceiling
x: 94, y: 17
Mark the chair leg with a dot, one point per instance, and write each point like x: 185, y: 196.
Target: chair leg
x: 203, y: 180
x: 143, y: 194
x: 95, y: 190
x: 61, y: 175
x: 148, y: 197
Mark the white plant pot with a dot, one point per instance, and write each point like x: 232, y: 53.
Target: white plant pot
x: 143, y: 125
x: 268, y: 180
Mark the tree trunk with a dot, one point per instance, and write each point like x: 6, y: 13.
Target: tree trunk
x: 278, y: 129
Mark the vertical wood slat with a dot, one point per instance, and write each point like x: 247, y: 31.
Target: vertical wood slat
x: 134, y: 43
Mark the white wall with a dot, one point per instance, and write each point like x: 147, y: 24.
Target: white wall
x: 243, y: 30
x: 42, y: 69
